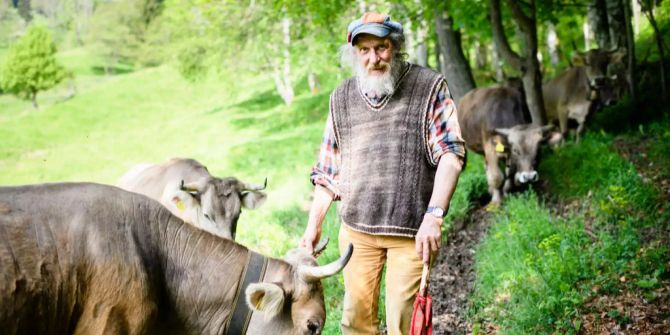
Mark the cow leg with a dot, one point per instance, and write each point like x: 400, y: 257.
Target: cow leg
x: 578, y: 132
x: 509, y: 179
x: 493, y: 173
x: 563, y: 121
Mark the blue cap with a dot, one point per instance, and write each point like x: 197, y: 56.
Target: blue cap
x: 376, y: 24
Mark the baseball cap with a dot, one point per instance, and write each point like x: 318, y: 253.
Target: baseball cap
x: 376, y: 24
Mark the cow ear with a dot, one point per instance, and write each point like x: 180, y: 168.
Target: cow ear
x: 578, y: 59
x: 253, y: 199
x: 502, y: 131
x: 197, y: 186
x: 265, y: 297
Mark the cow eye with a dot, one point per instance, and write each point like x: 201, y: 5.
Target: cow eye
x: 207, y: 216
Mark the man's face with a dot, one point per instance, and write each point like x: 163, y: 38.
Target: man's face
x: 374, y: 54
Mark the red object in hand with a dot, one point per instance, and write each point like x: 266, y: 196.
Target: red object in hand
x: 422, y: 315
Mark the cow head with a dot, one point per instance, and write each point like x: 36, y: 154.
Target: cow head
x: 214, y: 204
x: 294, y: 304
x: 521, y: 144
x: 601, y: 80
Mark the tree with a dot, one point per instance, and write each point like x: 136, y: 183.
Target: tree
x: 457, y: 69
x: 597, y: 14
x: 31, y: 65
x: 528, y: 65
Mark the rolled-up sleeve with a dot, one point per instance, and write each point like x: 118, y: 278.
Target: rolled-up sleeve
x: 444, y: 132
x: 326, y: 170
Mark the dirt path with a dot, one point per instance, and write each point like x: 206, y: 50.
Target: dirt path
x: 453, y: 275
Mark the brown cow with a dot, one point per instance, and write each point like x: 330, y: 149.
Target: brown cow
x: 189, y: 191
x: 94, y: 259
x: 571, y: 94
x: 495, y: 122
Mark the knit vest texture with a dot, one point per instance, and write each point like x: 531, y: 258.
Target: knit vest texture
x: 386, y: 176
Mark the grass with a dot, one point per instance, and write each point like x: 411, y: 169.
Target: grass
x: 536, y: 270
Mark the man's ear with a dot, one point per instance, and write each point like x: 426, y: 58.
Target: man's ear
x: 253, y: 199
x: 265, y: 297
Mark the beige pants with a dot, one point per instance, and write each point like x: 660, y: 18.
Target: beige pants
x: 362, y: 278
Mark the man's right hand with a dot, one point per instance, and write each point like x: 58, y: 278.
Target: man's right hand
x: 310, y: 238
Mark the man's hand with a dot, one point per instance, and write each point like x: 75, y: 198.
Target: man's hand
x: 310, y: 238
x: 428, y: 237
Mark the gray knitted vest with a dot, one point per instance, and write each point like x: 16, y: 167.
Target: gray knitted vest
x: 386, y: 176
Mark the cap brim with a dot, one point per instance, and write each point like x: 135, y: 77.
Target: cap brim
x: 378, y: 30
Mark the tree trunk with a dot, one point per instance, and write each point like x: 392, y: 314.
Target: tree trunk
x: 552, y: 44
x: 314, y: 83
x: 421, y: 47
x: 481, y: 56
x: 617, y: 23
x: 636, y: 16
x: 456, y: 67
x: 661, y: 50
x: 497, y: 63
x: 34, y: 99
x: 528, y: 65
x: 631, y: 73
x: 586, y: 29
x: 597, y: 15
x: 283, y: 77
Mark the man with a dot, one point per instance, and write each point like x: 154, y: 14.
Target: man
x: 392, y: 153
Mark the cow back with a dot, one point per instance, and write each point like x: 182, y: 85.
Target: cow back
x: 484, y: 109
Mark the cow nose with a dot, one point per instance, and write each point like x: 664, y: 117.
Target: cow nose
x: 313, y: 327
x: 533, y: 176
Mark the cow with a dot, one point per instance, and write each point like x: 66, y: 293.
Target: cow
x: 571, y: 94
x: 190, y: 192
x: 83, y: 258
x: 495, y: 122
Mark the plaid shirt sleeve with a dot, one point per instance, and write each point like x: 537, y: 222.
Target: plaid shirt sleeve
x: 326, y: 170
x: 444, y: 132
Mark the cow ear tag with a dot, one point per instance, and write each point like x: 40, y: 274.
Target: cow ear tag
x: 500, y: 147
x: 180, y: 204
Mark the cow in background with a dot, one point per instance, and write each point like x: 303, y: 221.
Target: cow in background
x: 83, y: 258
x: 495, y: 122
x: 189, y: 191
x: 571, y: 94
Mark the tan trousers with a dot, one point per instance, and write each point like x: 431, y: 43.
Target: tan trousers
x: 362, y: 279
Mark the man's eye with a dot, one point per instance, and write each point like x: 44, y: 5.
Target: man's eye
x: 363, y: 50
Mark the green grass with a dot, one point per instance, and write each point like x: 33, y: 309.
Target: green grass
x: 536, y: 270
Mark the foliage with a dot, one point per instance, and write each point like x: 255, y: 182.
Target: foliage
x: 117, y: 31
x: 31, y: 65
x: 11, y: 26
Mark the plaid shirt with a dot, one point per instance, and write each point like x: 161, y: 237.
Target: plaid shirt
x: 444, y: 135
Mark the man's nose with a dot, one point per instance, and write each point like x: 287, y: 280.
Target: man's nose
x: 374, y: 58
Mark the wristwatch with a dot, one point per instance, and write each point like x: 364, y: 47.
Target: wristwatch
x: 437, y: 212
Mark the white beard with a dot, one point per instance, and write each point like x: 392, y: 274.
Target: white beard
x: 378, y: 86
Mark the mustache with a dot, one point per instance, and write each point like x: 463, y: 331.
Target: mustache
x: 380, y: 66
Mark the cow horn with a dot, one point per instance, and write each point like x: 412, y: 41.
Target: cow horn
x: 314, y: 273
x: 320, y: 246
x: 252, y: 187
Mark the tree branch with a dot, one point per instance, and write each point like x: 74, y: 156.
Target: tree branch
x: 524, y: 21
x: 511, y: 57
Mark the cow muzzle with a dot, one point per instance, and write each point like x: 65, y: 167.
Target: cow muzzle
x: 526, y: 177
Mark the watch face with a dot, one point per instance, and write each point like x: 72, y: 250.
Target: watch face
x: 436, y: 211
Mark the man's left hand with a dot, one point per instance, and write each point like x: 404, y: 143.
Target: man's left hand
x: 428, y: 237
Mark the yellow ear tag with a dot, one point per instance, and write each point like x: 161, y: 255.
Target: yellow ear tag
x: 180, y: 205
x: 500, y: 147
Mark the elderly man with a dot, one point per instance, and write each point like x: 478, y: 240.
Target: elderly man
x: 391, y: 153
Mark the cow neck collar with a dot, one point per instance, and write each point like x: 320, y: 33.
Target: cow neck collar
x: 254, y: 271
